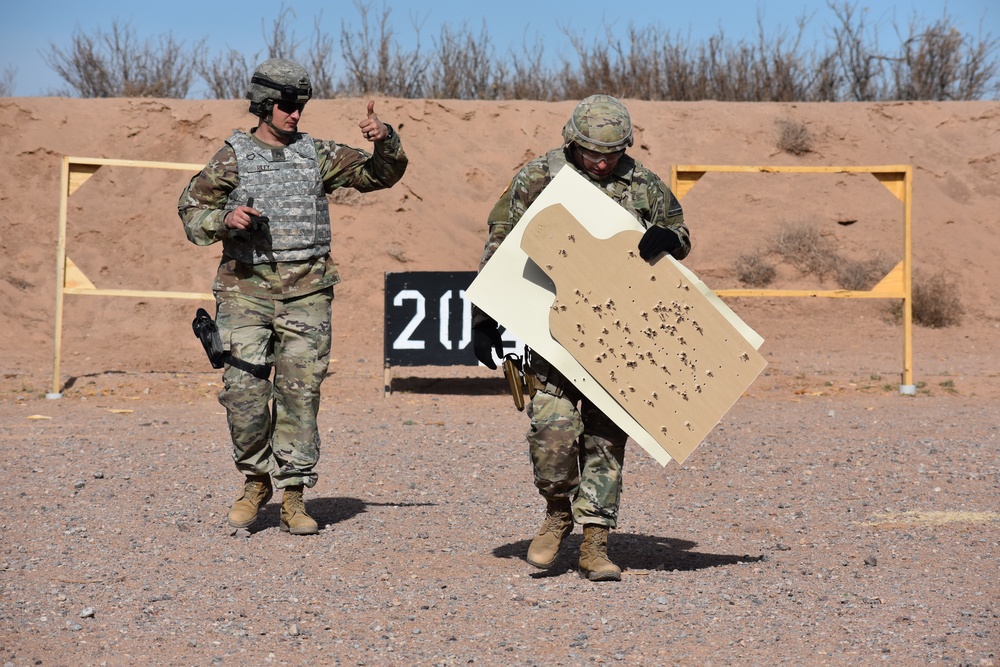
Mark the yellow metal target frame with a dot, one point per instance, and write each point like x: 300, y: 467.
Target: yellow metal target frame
x: 896, y: 284
x: 76, y: 171
x: 898, y: 179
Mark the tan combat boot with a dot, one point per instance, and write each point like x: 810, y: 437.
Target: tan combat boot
x: 294, y: 519
x: 257, y: 490
x: 594, y: 561
x: 557, y: 525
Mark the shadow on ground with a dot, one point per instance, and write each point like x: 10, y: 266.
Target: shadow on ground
x: 450, y: 386
x: 326, y: 511
x: 631, y: 552
x: 71, y: 382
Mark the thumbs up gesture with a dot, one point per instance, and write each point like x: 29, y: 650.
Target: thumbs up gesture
x: 371, y: 127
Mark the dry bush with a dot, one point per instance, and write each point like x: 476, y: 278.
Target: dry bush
x: 7, y: 81
x: 225, y: 74
x: 524, y: 76
x: 280, y: 39
x: 118, y: 64
x: 463, y: 66
x: 936, y: 62
x: 825, y: 79
x: 804, y: 247
x: 320, y: 62
x: 376, y: 63
x: 794, y: 137
x: 861, y: 275
x: 940, y: 63
x: 862, y: 65
x: 754, y: 270
x: 651, y: 63
x: 935, y: 302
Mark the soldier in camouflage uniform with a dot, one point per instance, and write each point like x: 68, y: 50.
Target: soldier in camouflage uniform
x: 274, y: 286
x: 578, y: 452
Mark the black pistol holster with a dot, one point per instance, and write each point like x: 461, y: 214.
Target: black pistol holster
x: 207, y: 331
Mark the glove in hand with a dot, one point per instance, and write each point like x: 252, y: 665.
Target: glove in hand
x: 656, y: 240
x: 485, y: 341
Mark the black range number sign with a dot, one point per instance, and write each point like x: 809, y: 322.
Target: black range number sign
x: 428, y: 319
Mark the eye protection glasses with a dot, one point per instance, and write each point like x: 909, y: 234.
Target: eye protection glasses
x: 290, y: 107
x: 595, y: 157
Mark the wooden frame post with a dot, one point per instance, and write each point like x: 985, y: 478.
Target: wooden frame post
x: 74, y: 172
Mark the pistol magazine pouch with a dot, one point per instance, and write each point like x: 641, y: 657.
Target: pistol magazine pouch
x: 512, y: 371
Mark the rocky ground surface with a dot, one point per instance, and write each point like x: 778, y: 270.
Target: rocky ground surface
x: 826, y: 520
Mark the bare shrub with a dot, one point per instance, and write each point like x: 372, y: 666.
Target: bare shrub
x: 861, y: 275
x: 225, y: 74
x: 280, y: 40
x: 794, y: 137
x: 936, y: 62
x: 754, y: 270
x: 655, y: 65
x: 596, y: 70
x: 861, y: 64
x: 119, y: 64
x: 7, y: 81
x: 939, y: 63
x: 462, y: 67
x: 804, y: 247
x: 376, y: 63
x: 825, y: 79
x: 936, y: 302
x: 525, y: 77
x: 320, y: 62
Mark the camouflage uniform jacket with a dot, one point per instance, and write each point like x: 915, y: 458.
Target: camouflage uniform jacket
x: 634, y: 187
x: 205, y: 202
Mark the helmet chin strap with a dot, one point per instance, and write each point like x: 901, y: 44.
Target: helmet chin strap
x: 284, y: 134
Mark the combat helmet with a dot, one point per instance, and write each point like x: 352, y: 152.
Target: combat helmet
x: 277, y: 80
x: 599, y: 123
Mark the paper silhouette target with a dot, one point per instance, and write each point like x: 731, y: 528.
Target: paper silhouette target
x: 517, y: 293
x: 642, y: 330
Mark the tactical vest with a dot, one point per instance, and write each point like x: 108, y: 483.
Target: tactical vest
x: 287, y: 187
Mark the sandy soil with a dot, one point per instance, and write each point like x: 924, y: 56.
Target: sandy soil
x: 826, y: 520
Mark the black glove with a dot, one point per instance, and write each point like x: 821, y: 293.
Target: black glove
x: 656, y: 240
x: 486, y: 340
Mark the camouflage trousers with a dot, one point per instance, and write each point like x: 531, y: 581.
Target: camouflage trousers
x: 273, y: 422
x: 576, y: 453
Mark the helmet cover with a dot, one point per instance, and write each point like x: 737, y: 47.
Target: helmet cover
x: 599, y: 123
x: 277, y: 80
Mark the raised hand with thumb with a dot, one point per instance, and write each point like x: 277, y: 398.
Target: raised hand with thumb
x: 372, y: 128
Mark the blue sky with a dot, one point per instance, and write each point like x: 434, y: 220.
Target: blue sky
x: 29, y: 28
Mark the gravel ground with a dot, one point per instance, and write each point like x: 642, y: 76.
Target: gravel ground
x: 837, y: 526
